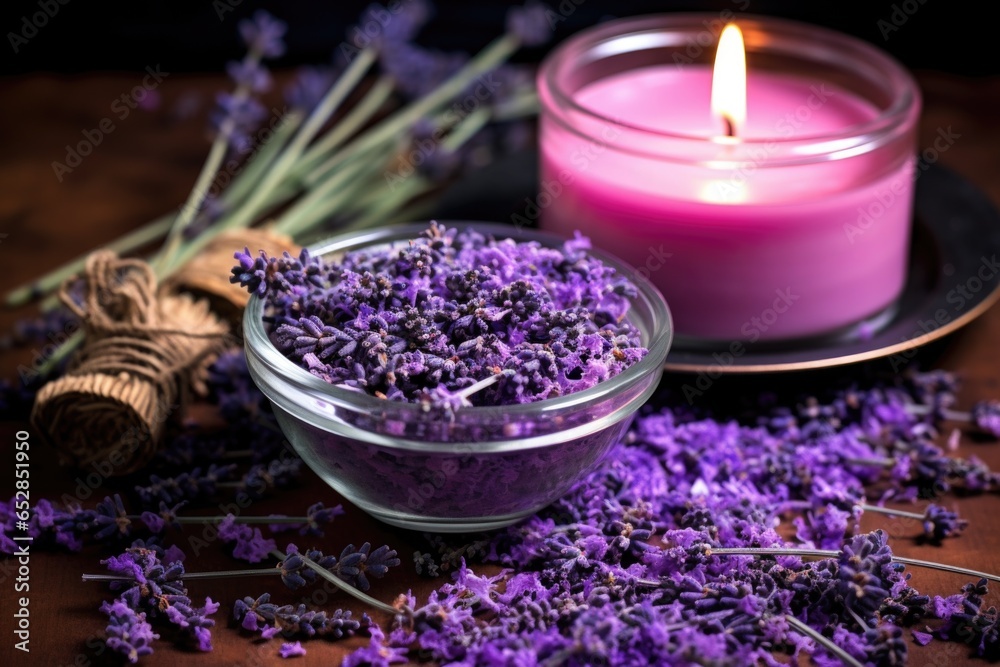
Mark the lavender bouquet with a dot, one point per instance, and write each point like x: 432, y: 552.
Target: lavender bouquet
x: 423, y: 117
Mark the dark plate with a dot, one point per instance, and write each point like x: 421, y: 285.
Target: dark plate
x: 954, y: 273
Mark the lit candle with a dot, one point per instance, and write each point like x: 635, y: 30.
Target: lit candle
x: 773, y: 203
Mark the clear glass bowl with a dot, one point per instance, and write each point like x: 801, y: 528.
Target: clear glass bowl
x: 488, y: 467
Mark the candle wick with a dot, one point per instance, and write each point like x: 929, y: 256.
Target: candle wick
x: 730, y: 126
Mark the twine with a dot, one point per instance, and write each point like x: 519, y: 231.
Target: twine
x: 143, y: 351
x: 207, y: 275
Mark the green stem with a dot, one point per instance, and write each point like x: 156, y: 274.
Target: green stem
x: 208, y: 170
x: 244, y: 215
x: 494, y: 54
x: 261, y: 161
x: 148, y: 233
x: 360, y: 114
x: 413, y: 187
x: 318, y: 206
x: 61, y: 353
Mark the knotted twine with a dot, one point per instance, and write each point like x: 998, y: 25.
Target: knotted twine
x: 143, y: 352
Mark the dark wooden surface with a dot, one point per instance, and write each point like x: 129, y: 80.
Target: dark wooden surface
x: 147, y: 165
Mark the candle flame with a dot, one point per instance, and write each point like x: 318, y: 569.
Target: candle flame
x: 729, y: 81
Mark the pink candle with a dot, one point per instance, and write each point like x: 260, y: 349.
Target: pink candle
x: 797, y: 228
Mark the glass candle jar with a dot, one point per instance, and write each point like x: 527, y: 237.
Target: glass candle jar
x: 797, y: 227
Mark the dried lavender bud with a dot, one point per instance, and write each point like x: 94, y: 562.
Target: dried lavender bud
x: 986, y: 415
x: 128, y: 633
x: 190, y: 486
x: 250, y: 544
x: 263, y: 616
x: 448, y: 310
x: 111, y: 518
x: 940, y: 523
x: 156, y: 588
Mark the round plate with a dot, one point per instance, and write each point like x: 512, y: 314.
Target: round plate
x: 954, y: 272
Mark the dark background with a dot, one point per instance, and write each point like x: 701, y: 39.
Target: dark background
x: 189, y: 35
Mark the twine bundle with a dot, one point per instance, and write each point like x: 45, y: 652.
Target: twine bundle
x: 143, y: 350
x: 207, y: 275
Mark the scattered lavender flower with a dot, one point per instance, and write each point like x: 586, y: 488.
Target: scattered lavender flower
x: 111, y: 518
x: 986, y: 415
x: 277, y: 474
x: 291, y: 650
x: 188, y: 486
x: 940, y: 523
x: 387, y: 36
x: 250, y: 544
x: 262, y: 616
x: 245, y: 113
x: 584, y: 578
x: 377, y: 653
x: 156, y: 589
x: 128, y: 632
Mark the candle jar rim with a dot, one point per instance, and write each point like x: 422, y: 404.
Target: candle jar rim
x: 789, y: 38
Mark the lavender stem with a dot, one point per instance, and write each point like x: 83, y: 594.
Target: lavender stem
x: 804, y: 629
x: 342, y: 585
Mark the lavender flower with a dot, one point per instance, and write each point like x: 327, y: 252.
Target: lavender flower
x: 986, y: 415
x: 185, y: 486
x: 940, y: 523
x: 111, y: 518
x: 291, y: 650
x: 156, y: 589
x: 250, y: 544
x: 128, y: 632
x: 263, y: 34
x: 530, y: 23
x: 266, y: 618
x: 308, y: 88
x: 249, y: 75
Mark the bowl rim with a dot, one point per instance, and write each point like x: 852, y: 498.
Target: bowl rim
x: 258, y: 343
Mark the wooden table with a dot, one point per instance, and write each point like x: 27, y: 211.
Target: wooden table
x: 146, y: 164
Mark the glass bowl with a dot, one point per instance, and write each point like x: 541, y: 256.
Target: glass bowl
x: 486, y: 468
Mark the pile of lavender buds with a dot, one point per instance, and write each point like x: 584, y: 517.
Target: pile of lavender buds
x: 451, y: 318
x: 650, y: 559
x: 631, y: 566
